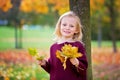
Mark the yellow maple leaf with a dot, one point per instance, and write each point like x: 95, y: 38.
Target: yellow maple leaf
x: 58, y: 55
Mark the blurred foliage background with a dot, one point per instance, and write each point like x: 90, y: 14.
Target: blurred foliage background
x: 30, y: 23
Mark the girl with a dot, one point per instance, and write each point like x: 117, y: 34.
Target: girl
x: 68, y: 31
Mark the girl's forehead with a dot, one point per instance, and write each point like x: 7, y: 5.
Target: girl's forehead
x: 69, y: 19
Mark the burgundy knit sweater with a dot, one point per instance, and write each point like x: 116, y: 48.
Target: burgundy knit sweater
x: 55, y: 69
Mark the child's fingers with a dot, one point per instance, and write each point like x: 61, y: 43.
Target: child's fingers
x: 74, y: 61
x: 42, y: 62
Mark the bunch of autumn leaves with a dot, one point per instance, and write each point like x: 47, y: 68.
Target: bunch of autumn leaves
x: 67, y: 51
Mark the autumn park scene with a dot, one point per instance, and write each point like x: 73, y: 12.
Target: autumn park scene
x: 27, y: 25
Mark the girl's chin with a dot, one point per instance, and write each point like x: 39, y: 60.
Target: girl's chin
x: 66, y: 36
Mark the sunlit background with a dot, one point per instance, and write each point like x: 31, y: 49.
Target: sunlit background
x: 30, y: 24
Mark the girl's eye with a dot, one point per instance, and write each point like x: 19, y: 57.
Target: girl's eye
x: 64, y: 24
x: 71, y: 26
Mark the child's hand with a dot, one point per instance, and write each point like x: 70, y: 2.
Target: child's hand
x: 74, y: 61
x: 42, y: 62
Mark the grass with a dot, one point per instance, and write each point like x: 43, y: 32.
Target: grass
x: 41, y: 38
x: 104, y: 44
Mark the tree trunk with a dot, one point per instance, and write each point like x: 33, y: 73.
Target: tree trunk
x: 16, y: 36
x: 82, y: 8
x: 99, y: 32
x: 13, y: 16
x: 113, y: 25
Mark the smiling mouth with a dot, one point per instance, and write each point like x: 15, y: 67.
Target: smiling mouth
x: 66, y: 32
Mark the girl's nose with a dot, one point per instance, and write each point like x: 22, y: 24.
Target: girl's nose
x: 67, y: 27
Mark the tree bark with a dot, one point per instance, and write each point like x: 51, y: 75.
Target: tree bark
x: 113, y: 25
x: 13, y: 17
x: 82, y: 8
x: 99, y: 32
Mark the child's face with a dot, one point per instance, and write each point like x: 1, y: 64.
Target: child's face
x: 68, y: 27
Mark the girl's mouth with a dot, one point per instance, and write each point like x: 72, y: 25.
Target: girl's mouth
x: 66, y: 32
